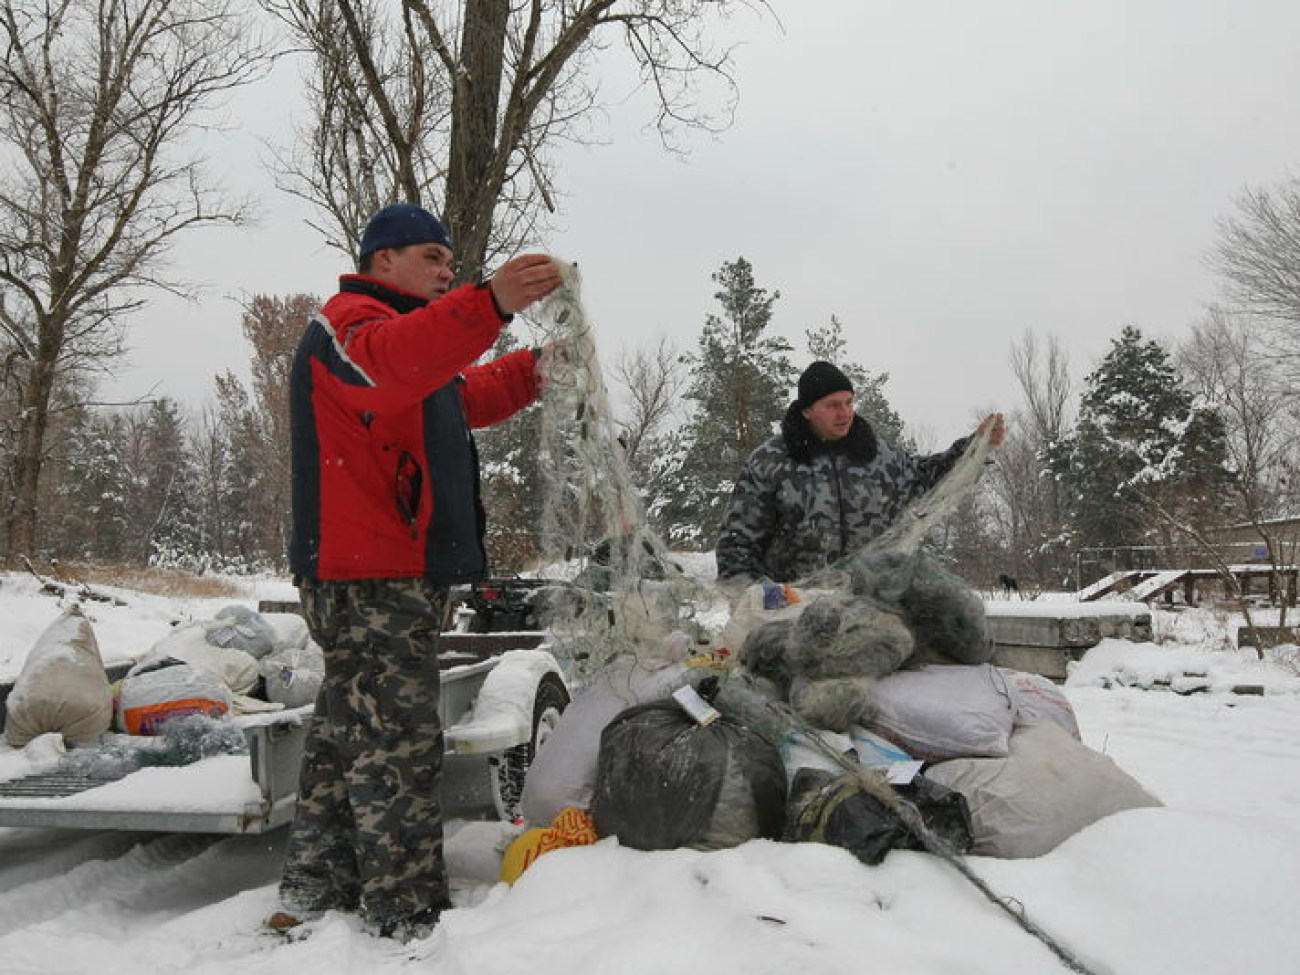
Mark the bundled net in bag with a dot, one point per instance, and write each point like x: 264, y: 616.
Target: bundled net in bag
x: 856, y: 811
x: 665, y: 781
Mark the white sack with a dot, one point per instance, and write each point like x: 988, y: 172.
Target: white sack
x: 62, y: 687
x: 237, y: 627
x: 293, y: 674
x: 1035, y: 698
x: 1045, y: 790
x: 234, y: 667
x: 944, y: 711
x: 289, y: 630
x: 154, y: 694
x: 563, y: 772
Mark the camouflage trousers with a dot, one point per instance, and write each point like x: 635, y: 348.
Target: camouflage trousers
x: 367, y: 829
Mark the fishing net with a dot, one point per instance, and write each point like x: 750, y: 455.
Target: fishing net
x: 591, y: 506
x: 628, y: 596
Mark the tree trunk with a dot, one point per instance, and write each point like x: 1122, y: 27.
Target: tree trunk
x: 471, y: 189
x: 22, y: 519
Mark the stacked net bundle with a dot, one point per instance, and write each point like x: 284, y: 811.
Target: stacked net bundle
x: 629, y: 596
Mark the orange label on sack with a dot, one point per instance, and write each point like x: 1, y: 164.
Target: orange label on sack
x: 148, y: 718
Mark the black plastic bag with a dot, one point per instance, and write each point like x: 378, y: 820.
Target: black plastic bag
x: 846, y: 811
x: 663, y: 781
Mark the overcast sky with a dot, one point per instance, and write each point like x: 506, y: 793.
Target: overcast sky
x: 941, y: 175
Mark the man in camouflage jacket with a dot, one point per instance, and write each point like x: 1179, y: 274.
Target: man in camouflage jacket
x: 823, y: 488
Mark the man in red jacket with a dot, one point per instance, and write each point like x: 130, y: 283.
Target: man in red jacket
x: 386, y: 515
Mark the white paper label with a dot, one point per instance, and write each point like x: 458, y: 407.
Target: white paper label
x: 701, y: 710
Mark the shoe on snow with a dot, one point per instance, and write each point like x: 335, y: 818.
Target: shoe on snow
x: 282, y: 922
x: 411, y: 927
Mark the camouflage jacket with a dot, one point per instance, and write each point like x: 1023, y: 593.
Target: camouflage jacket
x: 801, y: 504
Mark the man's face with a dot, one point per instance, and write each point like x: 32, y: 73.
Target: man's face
x: 420, y: 269
x: 831, y: 416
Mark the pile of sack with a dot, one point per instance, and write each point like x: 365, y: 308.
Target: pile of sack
x: 870, y: 718
x: 239, y: 661
x: 627, y: 759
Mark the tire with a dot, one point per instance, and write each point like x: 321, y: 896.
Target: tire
x: 509, y: 769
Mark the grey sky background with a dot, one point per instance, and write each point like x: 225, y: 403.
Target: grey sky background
x: 941, y: 175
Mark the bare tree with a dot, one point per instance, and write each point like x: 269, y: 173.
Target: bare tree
x: 455, y: 103
x: 1044, y: 378
x: 273, y: 327
x: 1227, y: 362
x: 97, y: 100
x: 1259, y: 253
x: 655, y: 381
x: 1028, y: 508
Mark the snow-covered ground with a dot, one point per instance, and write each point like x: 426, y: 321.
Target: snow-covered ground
x: 1210, y: 883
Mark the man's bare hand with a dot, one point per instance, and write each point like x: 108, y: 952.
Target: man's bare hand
x: 523, y: 280
x: 552, y: 355
x: 996, y: 428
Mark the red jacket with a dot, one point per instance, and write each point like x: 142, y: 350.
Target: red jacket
x: 382, y: 399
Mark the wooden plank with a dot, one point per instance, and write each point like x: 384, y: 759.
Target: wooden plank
x: 1271, y: 636
x: 458, y: 649
x: 1108, y: 584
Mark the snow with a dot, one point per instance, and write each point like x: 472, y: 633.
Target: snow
x: 218, y: 784
x: 1207, y: 884
x: 500, y: 716
x: 1061, y: 609
x: 123, y: 633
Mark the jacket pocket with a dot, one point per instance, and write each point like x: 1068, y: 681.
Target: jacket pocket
x: 410, y: 483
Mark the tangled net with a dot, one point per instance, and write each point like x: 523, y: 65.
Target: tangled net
x: 629, y: 596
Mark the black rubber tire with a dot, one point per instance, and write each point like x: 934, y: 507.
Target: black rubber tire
x: 510, y: 768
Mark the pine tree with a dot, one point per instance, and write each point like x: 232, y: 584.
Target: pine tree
x: 169, y: 491
x: 509, y: 480
x: 739, y: 381
x: 1141, y: 444
x: 828, y: 343
x: 245, y: 484
x: 92, y: 493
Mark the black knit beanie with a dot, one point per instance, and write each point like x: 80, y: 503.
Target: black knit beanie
x: 821, y: 379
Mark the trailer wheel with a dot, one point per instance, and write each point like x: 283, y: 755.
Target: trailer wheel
x: 509, y: 769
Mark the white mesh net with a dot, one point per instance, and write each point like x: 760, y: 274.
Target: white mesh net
x: 629, y: 596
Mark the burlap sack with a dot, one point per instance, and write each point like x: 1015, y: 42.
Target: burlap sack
x: 62, y: 687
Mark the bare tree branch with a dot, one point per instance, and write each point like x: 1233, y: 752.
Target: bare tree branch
x: 457, y: 106
x: 97, y: 100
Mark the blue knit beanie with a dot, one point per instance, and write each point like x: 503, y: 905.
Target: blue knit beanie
x: 400, y: 225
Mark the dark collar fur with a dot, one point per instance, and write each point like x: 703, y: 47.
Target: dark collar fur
x: 859, y: 445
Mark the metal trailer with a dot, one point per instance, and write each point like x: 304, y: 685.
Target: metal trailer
x: 520, y: 685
